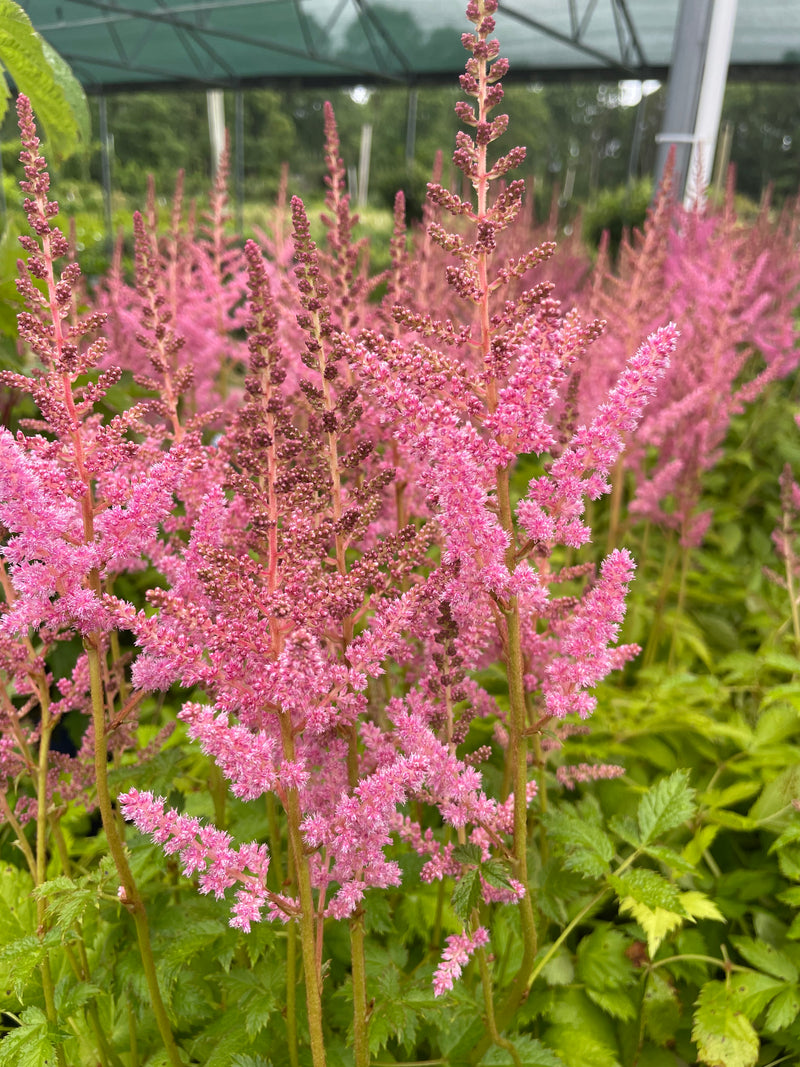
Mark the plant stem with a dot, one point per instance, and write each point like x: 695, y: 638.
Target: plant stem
x: 488, y: 1000
x: 360, y: 1021
x: 132, y: 1035
x: 790, y: 584
x: 133, y: 898
x: 40, y: 872
x: 291, y: 993
x: 685, y: 555
x: 307, y: 937
x: 22, y: 841
x: 617, y: 493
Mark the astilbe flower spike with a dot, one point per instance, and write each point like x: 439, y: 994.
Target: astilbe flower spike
x: 80, y: 501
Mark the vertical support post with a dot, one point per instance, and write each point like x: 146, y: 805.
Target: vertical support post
x: 105, y: 165
x: 215, y: 103
x: 411, y: 127
x: 363, y: 163
x: 636, y: 144
x: 723, y: 158
x: 683, y: 92
x: 239, y: 161
x: 712, y: 92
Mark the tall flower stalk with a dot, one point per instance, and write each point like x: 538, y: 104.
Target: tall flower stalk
x: 69, y: 476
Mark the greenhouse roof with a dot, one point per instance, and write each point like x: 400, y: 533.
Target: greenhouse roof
x: 115, y: 45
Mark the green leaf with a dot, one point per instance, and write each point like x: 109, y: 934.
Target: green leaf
x: 783, y: 1010
x: 531, y: 1053
x: 670, y: 858
x: 66, y: 901
x: 733, y: 794
x: 466, y: 894
x: 587, y: 847
x: 560, y: 970
x: 57, y: 98
x: 648, y: 888
x: 615, y: 1002
x: 753, y: 991
x: 496, y: 874
x: 656, y: 922
x: 725, y: 1037
x: 699, y: 906
x: 777, y: 795
x: 467, y: 853
x: 24, y: 955
x: 602, y: 963
x: 578, y: 1048
x: 791, y: 896
x: 766, y: 958
x: 668, y: 804
x: 31, y: 1044
x: 782, y: 662
x: 661, y: 1009
x: 702, y: 840
x: 626, y: 827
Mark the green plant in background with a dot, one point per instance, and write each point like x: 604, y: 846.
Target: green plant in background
x: 61, y: 106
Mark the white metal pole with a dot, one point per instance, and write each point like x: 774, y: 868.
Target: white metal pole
x: 709, y: 107
x: 363, y: 163
x: 215, y: 102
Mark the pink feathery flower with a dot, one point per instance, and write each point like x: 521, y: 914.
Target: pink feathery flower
x: 460, y: 948
x: 206, y: 850
x: 571, y: 774
x: 583, y: 640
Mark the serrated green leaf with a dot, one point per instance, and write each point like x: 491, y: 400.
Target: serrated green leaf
x: 602, y: 962
x: 753, y: 991
x: 24, y: 955
x: 656, y: 922
x: 791, y: 896
x: 732, y: 819
x: 467, y: 853
x: 496, y: 875
x: 670, y: 858
x: 31, y: 1044
x: 531, y: 1053
x: 577, y: 1048
x: 72, y: 997
x: 57, y: 98
x: 587, y: 847
x: 789, y: 836
x: 466, y: 894
x: 702, y: 840
x: 626, y: 827
x: 776, y: 721
x: 258, y: 1014
x: 66, y: 901
x: 648, y: 888
x: 789, y: 862
x: 777, y: 795
x: 732, y: 794
x: 559, y: 970
x: 699, y: 906
x: 668, y: 804
x: 661, y: 1009
x: 782, y: 662
x: 783, y: 1010
x: 766, y: 957
x: 615, y: 1002
x: 725, y: 1037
